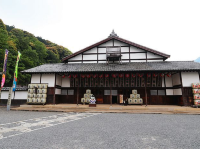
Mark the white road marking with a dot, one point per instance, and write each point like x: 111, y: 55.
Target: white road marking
x: 17, y: 128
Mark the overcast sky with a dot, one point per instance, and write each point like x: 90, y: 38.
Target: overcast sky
x: 169, y: 26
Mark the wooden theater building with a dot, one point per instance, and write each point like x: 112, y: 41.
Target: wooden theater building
x: 112, y: 68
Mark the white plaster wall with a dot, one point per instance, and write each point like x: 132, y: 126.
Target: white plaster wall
x: 35, y: 78
x: 125, y: 56
x: 101, y: 61
x: 176, y: 79
x: 89, y: 57
x: 58, y: 80
x: 57, y: 91
x: 65, y: 82
x: 168, y: 81
x: 93, y: 50
x: 189, y: 77
x: 89, y: 61
x: 102, y: 56
x: 154, y: 60
x: 138, y: 56
x: 109, y: 43
x: 134, y: 49
x: 178, y: 91
x: 21, y: 95
x: 48, y: 78
x: 118, y: 43
x: 4, y: 94
x: 102, y: 50
x: 169, y: 92
x: 138, y: 60
x: 163, y: 82
x: 151, y: 55
x: 78, y: 57
x: 74, y: 62
x: 124, y: 49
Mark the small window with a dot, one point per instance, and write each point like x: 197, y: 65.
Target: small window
x: 64, y: 92
x: 70, y: 92
x: 161, y: 92
x: 106, y: 92
x: 113, y: 92
x: 153, y: 92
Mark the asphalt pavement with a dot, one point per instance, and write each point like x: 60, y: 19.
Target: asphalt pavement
x: 59, y: 130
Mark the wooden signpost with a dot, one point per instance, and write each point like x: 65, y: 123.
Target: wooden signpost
x: 9, y: 98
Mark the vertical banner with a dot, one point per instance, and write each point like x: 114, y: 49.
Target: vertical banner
x: 4, y: 71
x: 16, y: 72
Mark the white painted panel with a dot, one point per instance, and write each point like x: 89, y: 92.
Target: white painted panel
x: 65, y: 82
x: 57, y: 91
x: 178, y: 91
x: 102, y: 62
x: 118, y: 43
x: 168, y: 81
x: 134, y: 49
x: 58, y: 80
x: 138, y: 56
x: 74, y: 62
x: 138, y: 60
x: 102, y: 50
x: 123, y: 61
x: 176, y: 79
x: 48, y: 78
x: 102, y: 56
x: 109, y: 43
x: 163, y: 83
x: 124, y: 49
x: 78, y: 57
x: 151, y: 55
x: 169, y: 92
x: 35, y: 78
x: 21, y: 94
x: 189, y: 77
x: 89, y: 61
x: 4, y: 94
x: 154, y: 60
x: 89, y: 57
x: 125, y: 56
x: 94, y: 50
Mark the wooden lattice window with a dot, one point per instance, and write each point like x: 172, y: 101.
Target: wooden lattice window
x: 72, y: 82
x: 159, y: 81
x: 133, y: 78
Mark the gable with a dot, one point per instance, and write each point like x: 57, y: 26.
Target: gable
x: 129, y: 51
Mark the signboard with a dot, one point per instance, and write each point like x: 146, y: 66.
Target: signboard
x: 120, y: 98
x: 9, y: 98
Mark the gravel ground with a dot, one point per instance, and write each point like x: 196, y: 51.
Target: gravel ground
x: 107, y: 130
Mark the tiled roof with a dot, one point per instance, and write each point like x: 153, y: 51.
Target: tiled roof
x: 119, y: 39
x: 103, y: 67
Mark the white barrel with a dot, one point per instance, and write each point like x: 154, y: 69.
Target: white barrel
x: 34, y: 95
x: 130, y: 101
x: 140, y: 101
x: 44, y: 96
x: 39, y: 91
x: 30, y: 86
x: 82, y: 100
x: 38, y: 100
x: 196, y: 102
x: 30, y: 91
x: 87, y: 100
x: 29, y: 100
x: 88, y: 91
x: 196, y: 96
x: 44, y: 91
x: 199, y: 91
x: 35, y: 85
x: 195, y: 91
x: 195, y: 85
x: 133, y: 95
x: 137, y: 96
x: 43, y: 100
x: 39, y: 95
x: 44, y: 86
x: 39, y: 86
x: 34, y: 100
x: 135, y: 101
x: 30, y: 95
x: 87, y: 96
x: 134, y: 91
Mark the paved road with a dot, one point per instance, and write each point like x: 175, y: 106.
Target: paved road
x: 46, y: 130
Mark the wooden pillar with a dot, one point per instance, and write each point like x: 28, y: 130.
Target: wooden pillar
x: 145, y: 80
x: 77, y: 94
x: 54, y: 96
x: 165, y: 89
x: 182, y: 89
